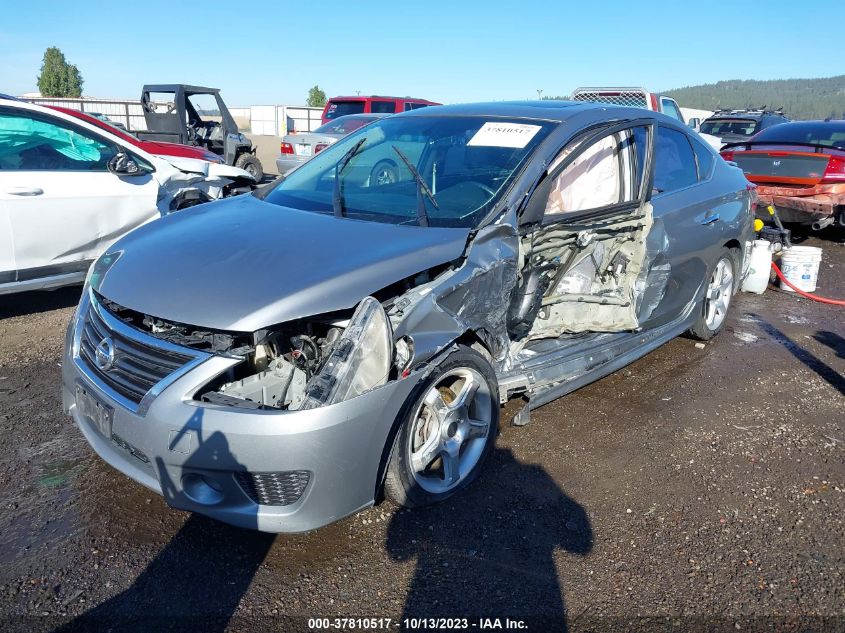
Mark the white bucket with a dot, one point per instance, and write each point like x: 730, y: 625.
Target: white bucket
x: 800, y: 265
x: 759, y: 268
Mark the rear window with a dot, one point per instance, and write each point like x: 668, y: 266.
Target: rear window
x: 342, y: 108
x: 344, y: 125
x: 733, y: 127
x: 382, y: 107
x: 829, y: 133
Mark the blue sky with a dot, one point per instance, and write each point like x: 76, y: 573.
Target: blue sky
x: 272, y: 52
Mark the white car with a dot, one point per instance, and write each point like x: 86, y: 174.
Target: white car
x: 69, y: 189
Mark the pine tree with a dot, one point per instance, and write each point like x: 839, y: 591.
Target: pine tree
x: 58, y: 78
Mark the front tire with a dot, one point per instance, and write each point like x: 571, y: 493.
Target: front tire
x: 717, y: 297
x: 252, y: 165
x: 447, y: 431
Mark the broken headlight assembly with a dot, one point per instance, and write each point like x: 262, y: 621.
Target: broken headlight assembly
x: 311, y: 364
x: 359, y: 361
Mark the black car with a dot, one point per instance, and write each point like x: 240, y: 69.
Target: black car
x: 733, y: 126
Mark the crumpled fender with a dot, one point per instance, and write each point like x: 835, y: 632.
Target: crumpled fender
x: 471, y: 298
x: 218, y: 170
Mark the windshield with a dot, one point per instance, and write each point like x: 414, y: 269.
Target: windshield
x: 733, y: 127
x: 465, y: 163
x: 342, y: 108
x: 830, y: 133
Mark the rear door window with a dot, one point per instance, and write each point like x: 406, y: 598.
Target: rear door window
x: 342, y: 108
x: 382, y: 107
x: 674, y: 161
x: 704, y: 158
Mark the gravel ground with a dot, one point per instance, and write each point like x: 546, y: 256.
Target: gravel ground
x: 697, y: 489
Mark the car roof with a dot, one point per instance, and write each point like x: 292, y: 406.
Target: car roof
x: 836, y: 124
x: 365, y: 97
x: 543, y: 110
x: 174, y: 87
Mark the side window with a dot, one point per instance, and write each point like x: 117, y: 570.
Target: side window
x: 671, y: 109
x: 704, y: 158
x: 32, y: 143
x: 382, y: 107
x: 412, y: 105
x: 674, y: 161
x: 609, y: 172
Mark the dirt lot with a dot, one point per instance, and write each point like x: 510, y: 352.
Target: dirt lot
x: 267, y: 151
x: 697, y: 489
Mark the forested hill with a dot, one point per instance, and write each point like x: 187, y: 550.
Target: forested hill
x: 800, y: 98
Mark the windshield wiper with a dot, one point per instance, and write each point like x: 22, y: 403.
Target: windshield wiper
x: 337, y: 196
x: 422, y: 188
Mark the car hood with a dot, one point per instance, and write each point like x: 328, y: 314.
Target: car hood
x: 242, y: 264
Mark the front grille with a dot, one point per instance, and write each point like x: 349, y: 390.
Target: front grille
x: 137, y: 366
x: 274, y: 489
x: 631, y: 98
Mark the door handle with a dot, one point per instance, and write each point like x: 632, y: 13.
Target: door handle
x: 710, y: 219
x: 24, y: 191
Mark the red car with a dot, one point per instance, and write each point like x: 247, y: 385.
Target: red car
x: 153, y: 147
x: 341, y: 106
x: 799, y: 168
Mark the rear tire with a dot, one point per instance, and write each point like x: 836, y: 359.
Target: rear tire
x: 721, y: 284
x: 448, y: 429
x: 251, y: 164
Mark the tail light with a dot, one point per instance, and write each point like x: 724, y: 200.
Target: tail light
x: 728, y: 155
x: 319, y: 147
x: 286, y: 148
x: 654, y: 105
x: 835, y: 170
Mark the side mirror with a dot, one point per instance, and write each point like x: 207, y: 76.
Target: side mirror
x: 694, y: 123
x: 123, y: 164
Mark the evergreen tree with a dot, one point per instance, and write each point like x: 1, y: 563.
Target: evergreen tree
x: 58, y: 78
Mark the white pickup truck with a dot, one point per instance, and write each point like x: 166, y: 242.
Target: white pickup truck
x: 641, y: 98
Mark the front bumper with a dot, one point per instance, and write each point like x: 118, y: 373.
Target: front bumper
x: 289, y: 162
x: 197, y: 455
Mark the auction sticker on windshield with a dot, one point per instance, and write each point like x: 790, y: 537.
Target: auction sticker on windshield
x: 516, y: 135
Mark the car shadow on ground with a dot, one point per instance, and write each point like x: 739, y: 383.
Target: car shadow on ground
x: 487, y: 553
x: 38, y: 301
x: 490, y: 551
x: 198, y: 579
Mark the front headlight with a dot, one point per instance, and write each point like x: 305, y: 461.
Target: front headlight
x: 359, y: 361
x: 98, y: 269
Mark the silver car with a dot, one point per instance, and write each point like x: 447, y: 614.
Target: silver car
x: 278, y: 359
x: 296, y: 149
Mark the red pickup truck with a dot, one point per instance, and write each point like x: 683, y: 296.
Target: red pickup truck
x: 152, y: 147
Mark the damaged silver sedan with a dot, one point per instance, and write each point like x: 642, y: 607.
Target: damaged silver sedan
x: 279, y: 360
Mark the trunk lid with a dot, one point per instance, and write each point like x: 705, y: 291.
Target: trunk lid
x: 781, y: 166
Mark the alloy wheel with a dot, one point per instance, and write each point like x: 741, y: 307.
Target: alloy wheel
x: 719, y: 293
x: 451, y: 427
